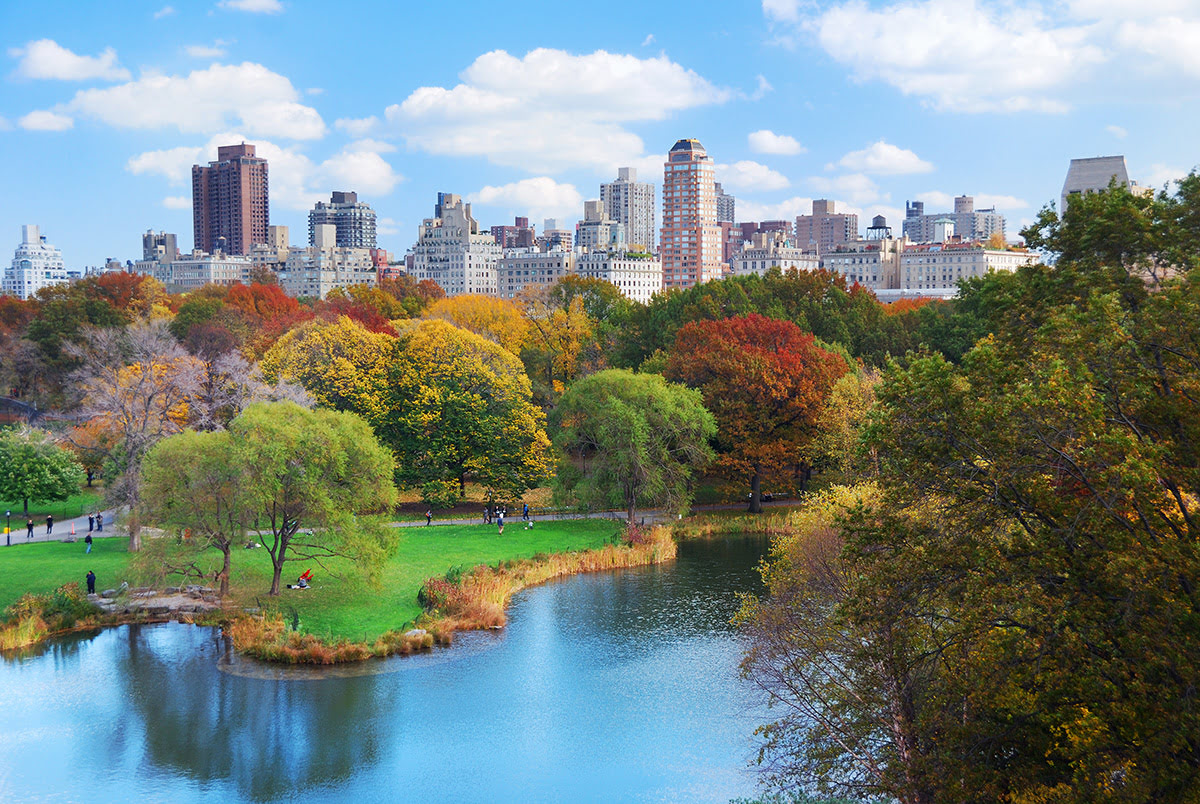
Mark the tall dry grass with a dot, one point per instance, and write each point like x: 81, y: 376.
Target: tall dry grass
x: 773, y: 524
x: 36, y: 617
x: 269, y: 639
x: 479, y: 598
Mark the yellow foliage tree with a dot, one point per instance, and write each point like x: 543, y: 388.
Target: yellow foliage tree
x: 497, y: 320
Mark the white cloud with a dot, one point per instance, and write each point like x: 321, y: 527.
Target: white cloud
x: 768, y: 142
x: 1117, y: 131
x: 1170, y: 39
x: 779, y: 211
x: 1163, y: 175
x: 387, y: 226
x: 314, y: 91
x: 963, y: 55
x: 45, y: 121
x: 177, y: 202
x: 214, y: 51
x: 649, y: 40
x: 938, y: 201
x: 45, y: 58
x: 761, y: 90
x: 1135, y: 9
x: 782, y: 10
x: 857, y: 187
x: 246, y: 95
x: 165, y: 11
x: 750, y: 176
x: 550, y: 110
x: 884, y: 159
x: 253, y: 6
x: 357, y: 127
x: 5, y: 125
x: 296, y: 181
x: 540, y: 197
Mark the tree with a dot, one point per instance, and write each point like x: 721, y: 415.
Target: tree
x: 306, y: 476
x: 631, y: 440
x: 562, y: 343
x: 33, y: 467
x: 839, y: 427
x: 766, y: 383
x: 498, y: 320
x: 195, y: 483
x: 459, y: 407
x: 136, y: 382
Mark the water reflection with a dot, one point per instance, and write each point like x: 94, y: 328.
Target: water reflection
x: 612, y: 686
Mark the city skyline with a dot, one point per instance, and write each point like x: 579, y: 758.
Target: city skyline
x: 869, y: 105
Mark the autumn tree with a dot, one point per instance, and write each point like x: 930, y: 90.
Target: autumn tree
x: 33, y: 467
x: 766, y: 382
x: 458, y: 407
x: 561, y: 345
x: 136, y: 382
x: 631, y: 440
x: 840, y: 424
x: 498, y: 320
x: 307, y: 475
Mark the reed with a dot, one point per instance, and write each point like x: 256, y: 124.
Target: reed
x: 478, y: 599
x: 36, y: 617
x: 270, y: 639
x: 775, y: 523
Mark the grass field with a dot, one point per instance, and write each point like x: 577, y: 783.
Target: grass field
x: 334, y: 606
x: 80, y: 504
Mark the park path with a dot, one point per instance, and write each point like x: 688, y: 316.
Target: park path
x: 61, y: 531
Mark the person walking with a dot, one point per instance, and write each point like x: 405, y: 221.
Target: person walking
x: 91, y: 522
x: 29, y: 528
x: 428, y: 516
x: 99, y: 521
x: 525, y: 516
x: 500, y: 520
x: 49, y: 524
x: 91, y: 582
x: 88, y: 541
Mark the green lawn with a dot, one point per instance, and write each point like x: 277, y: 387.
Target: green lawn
x: 81, y: 504
x: 333, y: 607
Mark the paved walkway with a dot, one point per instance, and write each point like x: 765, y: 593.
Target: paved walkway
x: 62, y: 530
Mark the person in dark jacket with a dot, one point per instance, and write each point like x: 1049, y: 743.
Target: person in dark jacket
x: 91, y: 582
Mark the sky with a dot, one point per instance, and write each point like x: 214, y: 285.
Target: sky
x: 524, y: 109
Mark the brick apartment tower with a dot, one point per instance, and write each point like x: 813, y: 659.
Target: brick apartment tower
x: 691, y: 237
x: 229, y: 200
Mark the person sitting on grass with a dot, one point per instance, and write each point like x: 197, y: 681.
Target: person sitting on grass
x: 303, y: 581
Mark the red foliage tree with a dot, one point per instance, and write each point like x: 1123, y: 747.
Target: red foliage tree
x: 367, y: 315
x: 766, y: 382
x: 263, y: 302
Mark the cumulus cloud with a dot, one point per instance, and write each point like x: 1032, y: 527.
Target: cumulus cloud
x: 1117, y: 131
x: 768, y: 142
x: 782, y: 10
x: 165, y: 11
x: 750, y: 176
x: 357, y: 127
x: 45, y: 121
x: 387, y: 226
x: 297, y: 182
x: 247, y: 95
x: 1170, y: 40
x: 779, y: 211
x: 936, y: 201
x: 884, y: 159
x: 1163, y: 176
x: 177, y: 202
x: 550, y: 110
x: 539, y: 197
x: 214, y: 51
x: 649, y: 40
x: 45, y: 58
x: 253, y: 6
x: 856, y: 187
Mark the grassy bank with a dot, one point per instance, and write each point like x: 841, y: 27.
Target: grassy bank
x: 713, y: 524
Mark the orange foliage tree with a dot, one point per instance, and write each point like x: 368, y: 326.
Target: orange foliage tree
x: 766, y: 382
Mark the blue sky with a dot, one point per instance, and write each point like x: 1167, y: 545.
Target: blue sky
x: 525, y: 108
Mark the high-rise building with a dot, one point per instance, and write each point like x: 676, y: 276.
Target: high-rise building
x: 597, y: 231
x: 519, y: 235
x: 726, y: 205
x: 970, y: 223
x: 691, y: 237
x: 825, y: 228
x: 36, y: 264
x: 1094, y: 174
x: 632, y: 203
x: 159, y: 246
x: 453, y: 252
x: 230, y: 210
x: 353, y: 219
x: 553, y: 236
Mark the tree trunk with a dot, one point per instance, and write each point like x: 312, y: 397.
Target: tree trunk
x: 756, y: 492
x: 27, y: 506
x: 135, y: 529
x: 276, y: 574
x: 629, y: 514
x: 224, y: 588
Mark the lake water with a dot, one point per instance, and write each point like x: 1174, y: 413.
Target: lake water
x: 608, y: 687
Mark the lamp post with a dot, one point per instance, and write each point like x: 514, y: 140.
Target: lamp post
x: 8, y: 529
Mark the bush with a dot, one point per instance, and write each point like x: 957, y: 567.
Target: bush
x: 440, y: 493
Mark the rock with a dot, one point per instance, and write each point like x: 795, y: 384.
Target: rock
x: 209, y: 598
x: 158, y: 609
x: 142, y: 590
x: 416, y: 632
x: 172, y: 590
x: 109, y: 593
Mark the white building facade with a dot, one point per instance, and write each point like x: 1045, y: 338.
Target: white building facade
x: 520, y: 268
x: 198, y: 269
x: 36, y: 264
x: 935, y: 269
x: 770, y: 250
x: 452, y: 252
x: 638, y: 276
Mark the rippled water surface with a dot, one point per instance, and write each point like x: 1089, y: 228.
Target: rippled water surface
x: 607, y: 687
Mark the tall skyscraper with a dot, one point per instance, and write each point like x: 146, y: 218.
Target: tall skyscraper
x: 36, y: 264
x: 631, y: 202
x: 726, y: 206
x: 229, y: 200
x: 354, y: 220
x: 691, y: 237
x: 825, y: 227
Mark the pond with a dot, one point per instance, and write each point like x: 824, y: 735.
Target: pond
x: 616, y: 686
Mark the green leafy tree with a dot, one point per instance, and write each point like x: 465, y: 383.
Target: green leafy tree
x: 33, y: 467
x: 306, y: 476
x: 631, y: 440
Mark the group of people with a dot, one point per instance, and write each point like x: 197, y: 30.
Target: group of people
x: 500, y: 511
x: 95, y: 523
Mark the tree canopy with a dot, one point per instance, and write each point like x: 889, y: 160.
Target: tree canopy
x: 33, y: 467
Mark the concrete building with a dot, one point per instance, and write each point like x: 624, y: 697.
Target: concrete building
x: 970, y: 223
x: 637, y: 275
x: 825, y: 228
x: 935, y: 269
x: 452, y: 252
x: 632, y: 203
x: 1093, y: 175
x: 691, y: 245
x: 519, y: 235
x: 773, y: 249
x: 230, y: 210
x: 159, y: 246
x: 193, y: 271
x: 314, y: 271
x: 874, y: 264
x: 597, y: 230
x: 353, y: 219
x: 520, y: 268
x: 273, y: 254
x: 726, y: 205
x: 36, y: 264
x: 553, y: 236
